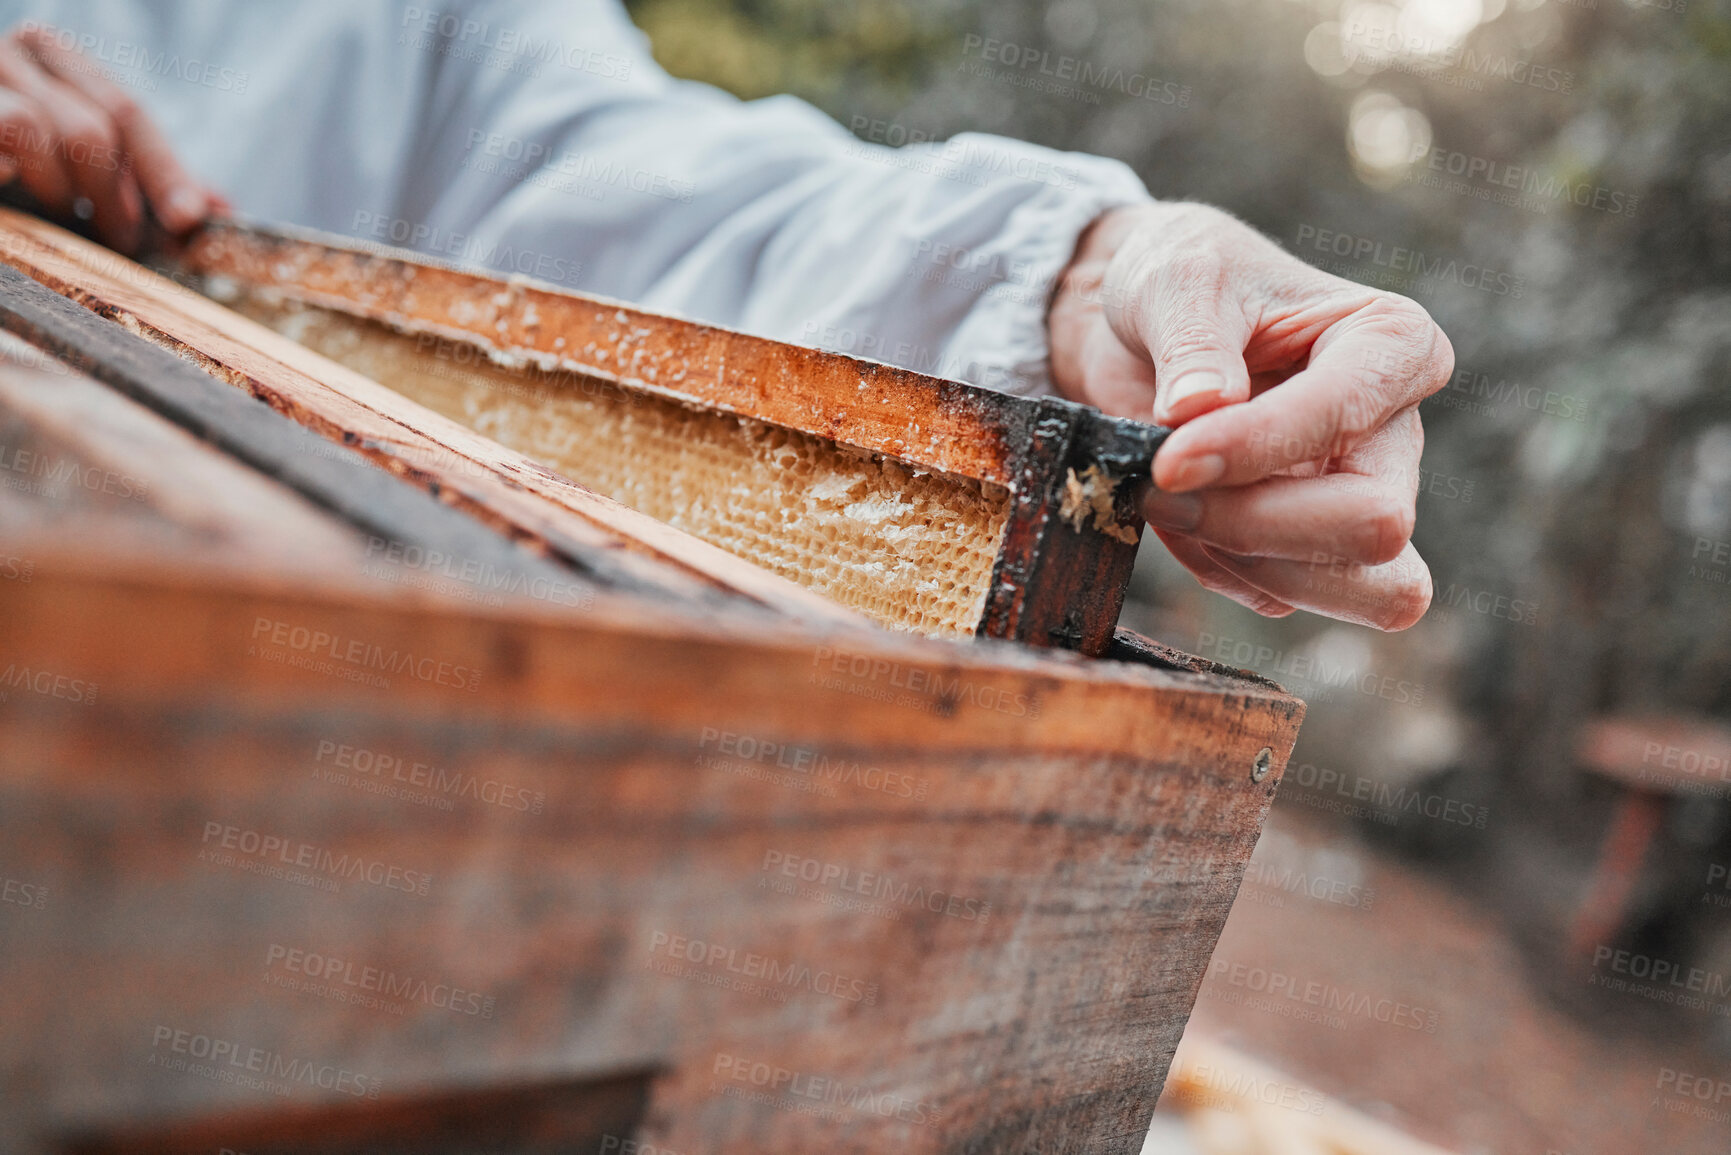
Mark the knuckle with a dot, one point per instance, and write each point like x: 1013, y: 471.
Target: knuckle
x: 87, y: 132
x: 1410, y: 427
x: 1192, y: 228
x: 1356, y: 416
x: 1125, y: 292
x: 1402, y: 316
x: 123, y: 111
x: 1230, y: 540
x: 1427, y: 350
x: 26, y: 129
x: 1218, y: 583
x: 16, y: 114
x: 1186, y: 337
x: 1190, y: 276
x: 1441, y: 361
x: 1387, y: 527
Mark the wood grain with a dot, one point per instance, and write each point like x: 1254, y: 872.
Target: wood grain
x: 946, y: 425
x: 504, y: 490
x: 114, y: 467
x: 1053, y: 846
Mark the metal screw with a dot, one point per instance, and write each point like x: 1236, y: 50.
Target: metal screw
x: 1259, y: 768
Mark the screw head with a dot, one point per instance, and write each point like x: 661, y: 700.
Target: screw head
x: 1259, y: 767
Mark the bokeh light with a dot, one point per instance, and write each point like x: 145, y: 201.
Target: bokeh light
x: 1435, y: 26
x: 1385, y: 137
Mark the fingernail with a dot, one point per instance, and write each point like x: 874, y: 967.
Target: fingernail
x: 186, y: 206
x: 1194, y: 384
x: 1196, y: 472
x: 1175, y: 511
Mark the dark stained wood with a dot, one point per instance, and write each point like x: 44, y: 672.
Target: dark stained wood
x: 1130, y: 646
x: 581, y: 1117
x: 87, y: 462
x: 254, y: 434
x: 1059, y: 583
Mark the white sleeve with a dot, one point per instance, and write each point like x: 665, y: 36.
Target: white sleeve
x: 765, y: 216
x: 540, y: 137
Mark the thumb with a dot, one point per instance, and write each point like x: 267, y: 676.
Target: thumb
x: 1193, y: 328
x: 1197, y: 343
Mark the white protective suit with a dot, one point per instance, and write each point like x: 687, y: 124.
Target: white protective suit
x: 541, y: 138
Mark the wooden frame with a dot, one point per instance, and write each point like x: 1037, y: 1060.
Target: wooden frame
x: 1063, y: 568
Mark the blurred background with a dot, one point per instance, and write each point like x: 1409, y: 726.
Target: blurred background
x: 1532, y: 787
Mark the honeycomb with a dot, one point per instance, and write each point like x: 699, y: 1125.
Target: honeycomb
x: 911, y: 549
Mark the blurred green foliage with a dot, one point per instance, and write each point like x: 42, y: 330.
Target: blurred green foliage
x: 819, y: 51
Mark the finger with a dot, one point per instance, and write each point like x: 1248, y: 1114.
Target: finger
x: 1390, y: 596
x: 1115, y: 380
x: 1185, y: 314
x: 1364, y: 510
x: 1364, y: 519
x: 178, y: 200
x: 87, y: 145
x: 1386, y: 356
x: 1216, y: 579
x: 28, y: 139
x: 1392, y: 453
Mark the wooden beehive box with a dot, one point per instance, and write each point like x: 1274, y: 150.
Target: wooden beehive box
x: 368, y: 785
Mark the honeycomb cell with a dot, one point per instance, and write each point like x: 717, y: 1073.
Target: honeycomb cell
x: 914, y: 550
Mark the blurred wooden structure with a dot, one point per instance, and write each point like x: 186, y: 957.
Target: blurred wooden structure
x: 445, y: 804
x: 1650, y: 759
